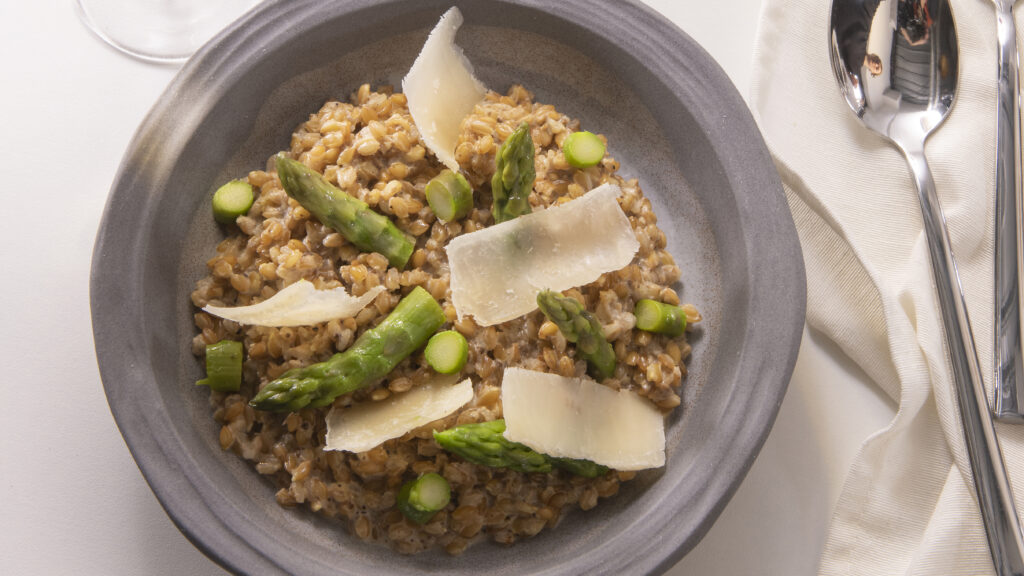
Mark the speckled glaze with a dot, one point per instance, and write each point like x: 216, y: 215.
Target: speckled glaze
x: 673, y: 120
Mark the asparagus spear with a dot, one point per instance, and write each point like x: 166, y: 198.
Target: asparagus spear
x: 661, y: 318
x: 513, y: 176
x: 580, y: 327
x: 353, y: 218
x: 484, y: 444
x: 421, y: 498
x: 584, y: 468
x: 375, y: 353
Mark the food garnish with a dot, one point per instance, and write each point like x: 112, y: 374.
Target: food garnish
x: 446, y: 352
x: 661, y: 318
x: 583, y: 149
x: 298, y: 304
x: 579, y: 467
x: 514, y: 174
x: 483, y: 443
x: 497, y: 272
x: 369, y: 424
x: 581, y: 328
x: 441, y: 89
x: 421, y: 498
x: 579, y: 418
x: 375, y: 353
x: 449, y: 196
x: 223, y: 366
x: 232, y: 200
x: 353, y: 218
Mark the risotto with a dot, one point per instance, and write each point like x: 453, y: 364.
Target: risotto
x: 370, y: 148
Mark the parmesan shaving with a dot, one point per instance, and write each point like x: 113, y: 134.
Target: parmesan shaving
x: 299, y: 304
x: 365, y: 426
x: 579, y: 418
x: 441, y: 90
x: 497, y: 272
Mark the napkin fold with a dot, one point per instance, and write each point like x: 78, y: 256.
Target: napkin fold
x: 907, y: 505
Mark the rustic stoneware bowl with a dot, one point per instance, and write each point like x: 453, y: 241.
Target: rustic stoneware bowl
x: 673, y: 120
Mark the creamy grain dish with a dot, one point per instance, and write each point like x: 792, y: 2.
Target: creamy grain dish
x: 369, y: 147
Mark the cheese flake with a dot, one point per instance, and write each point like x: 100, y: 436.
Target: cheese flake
x: 441, y: 89
x: 579, y: 418
x: 298, y: 304
x: 497, y: 272
x: 364, y: 426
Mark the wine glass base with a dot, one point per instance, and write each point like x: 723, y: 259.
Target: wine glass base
x: 160, y: 31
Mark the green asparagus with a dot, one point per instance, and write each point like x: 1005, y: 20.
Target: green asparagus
x: 232, y: 200
x: 484, y: 444
x: 513, y: 176
x: 661, y: 318
x: 580, y: 327
x: 223, y: 366
x: 375, y: 353
x: 353, y: 218
x: 583, y: 149
x: 421, y: 498
x: 584, y: 468
x: 449, y: 196
x: 447, y: 352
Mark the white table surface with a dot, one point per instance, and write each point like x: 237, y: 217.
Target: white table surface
x: 71, y: 498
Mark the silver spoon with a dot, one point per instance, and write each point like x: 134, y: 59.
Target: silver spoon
x: 1009, y: 363
x: 896, y: 62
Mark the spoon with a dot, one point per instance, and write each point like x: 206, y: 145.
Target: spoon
x: 1009, y: 369
x: 896, y: 62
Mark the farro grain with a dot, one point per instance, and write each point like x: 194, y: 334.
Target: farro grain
x: 371, y: 148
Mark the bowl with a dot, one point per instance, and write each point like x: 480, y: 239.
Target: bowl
x: 673, y: 120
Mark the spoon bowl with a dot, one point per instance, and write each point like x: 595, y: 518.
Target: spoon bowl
x: 896, y: 67
x: 896, y: 63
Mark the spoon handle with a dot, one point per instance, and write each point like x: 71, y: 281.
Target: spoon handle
x: 1009, y: 363
x: 998, y: 512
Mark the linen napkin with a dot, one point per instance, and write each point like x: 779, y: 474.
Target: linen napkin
x: 907, y: 505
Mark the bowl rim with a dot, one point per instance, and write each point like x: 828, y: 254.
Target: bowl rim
x: 666, y: 51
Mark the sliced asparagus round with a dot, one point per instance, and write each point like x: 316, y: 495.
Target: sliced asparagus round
x: 447, y: 352
x: 223, y: 366
x: 232, y: 200
x: 421, y: 498
x: 660, y: 318
x: 449, y: 196
x: 583, y: 149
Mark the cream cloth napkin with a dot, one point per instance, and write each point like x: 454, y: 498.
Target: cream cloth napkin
x: 907, y: 505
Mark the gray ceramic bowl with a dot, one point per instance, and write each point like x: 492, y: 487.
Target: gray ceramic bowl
x: 674, y: 121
